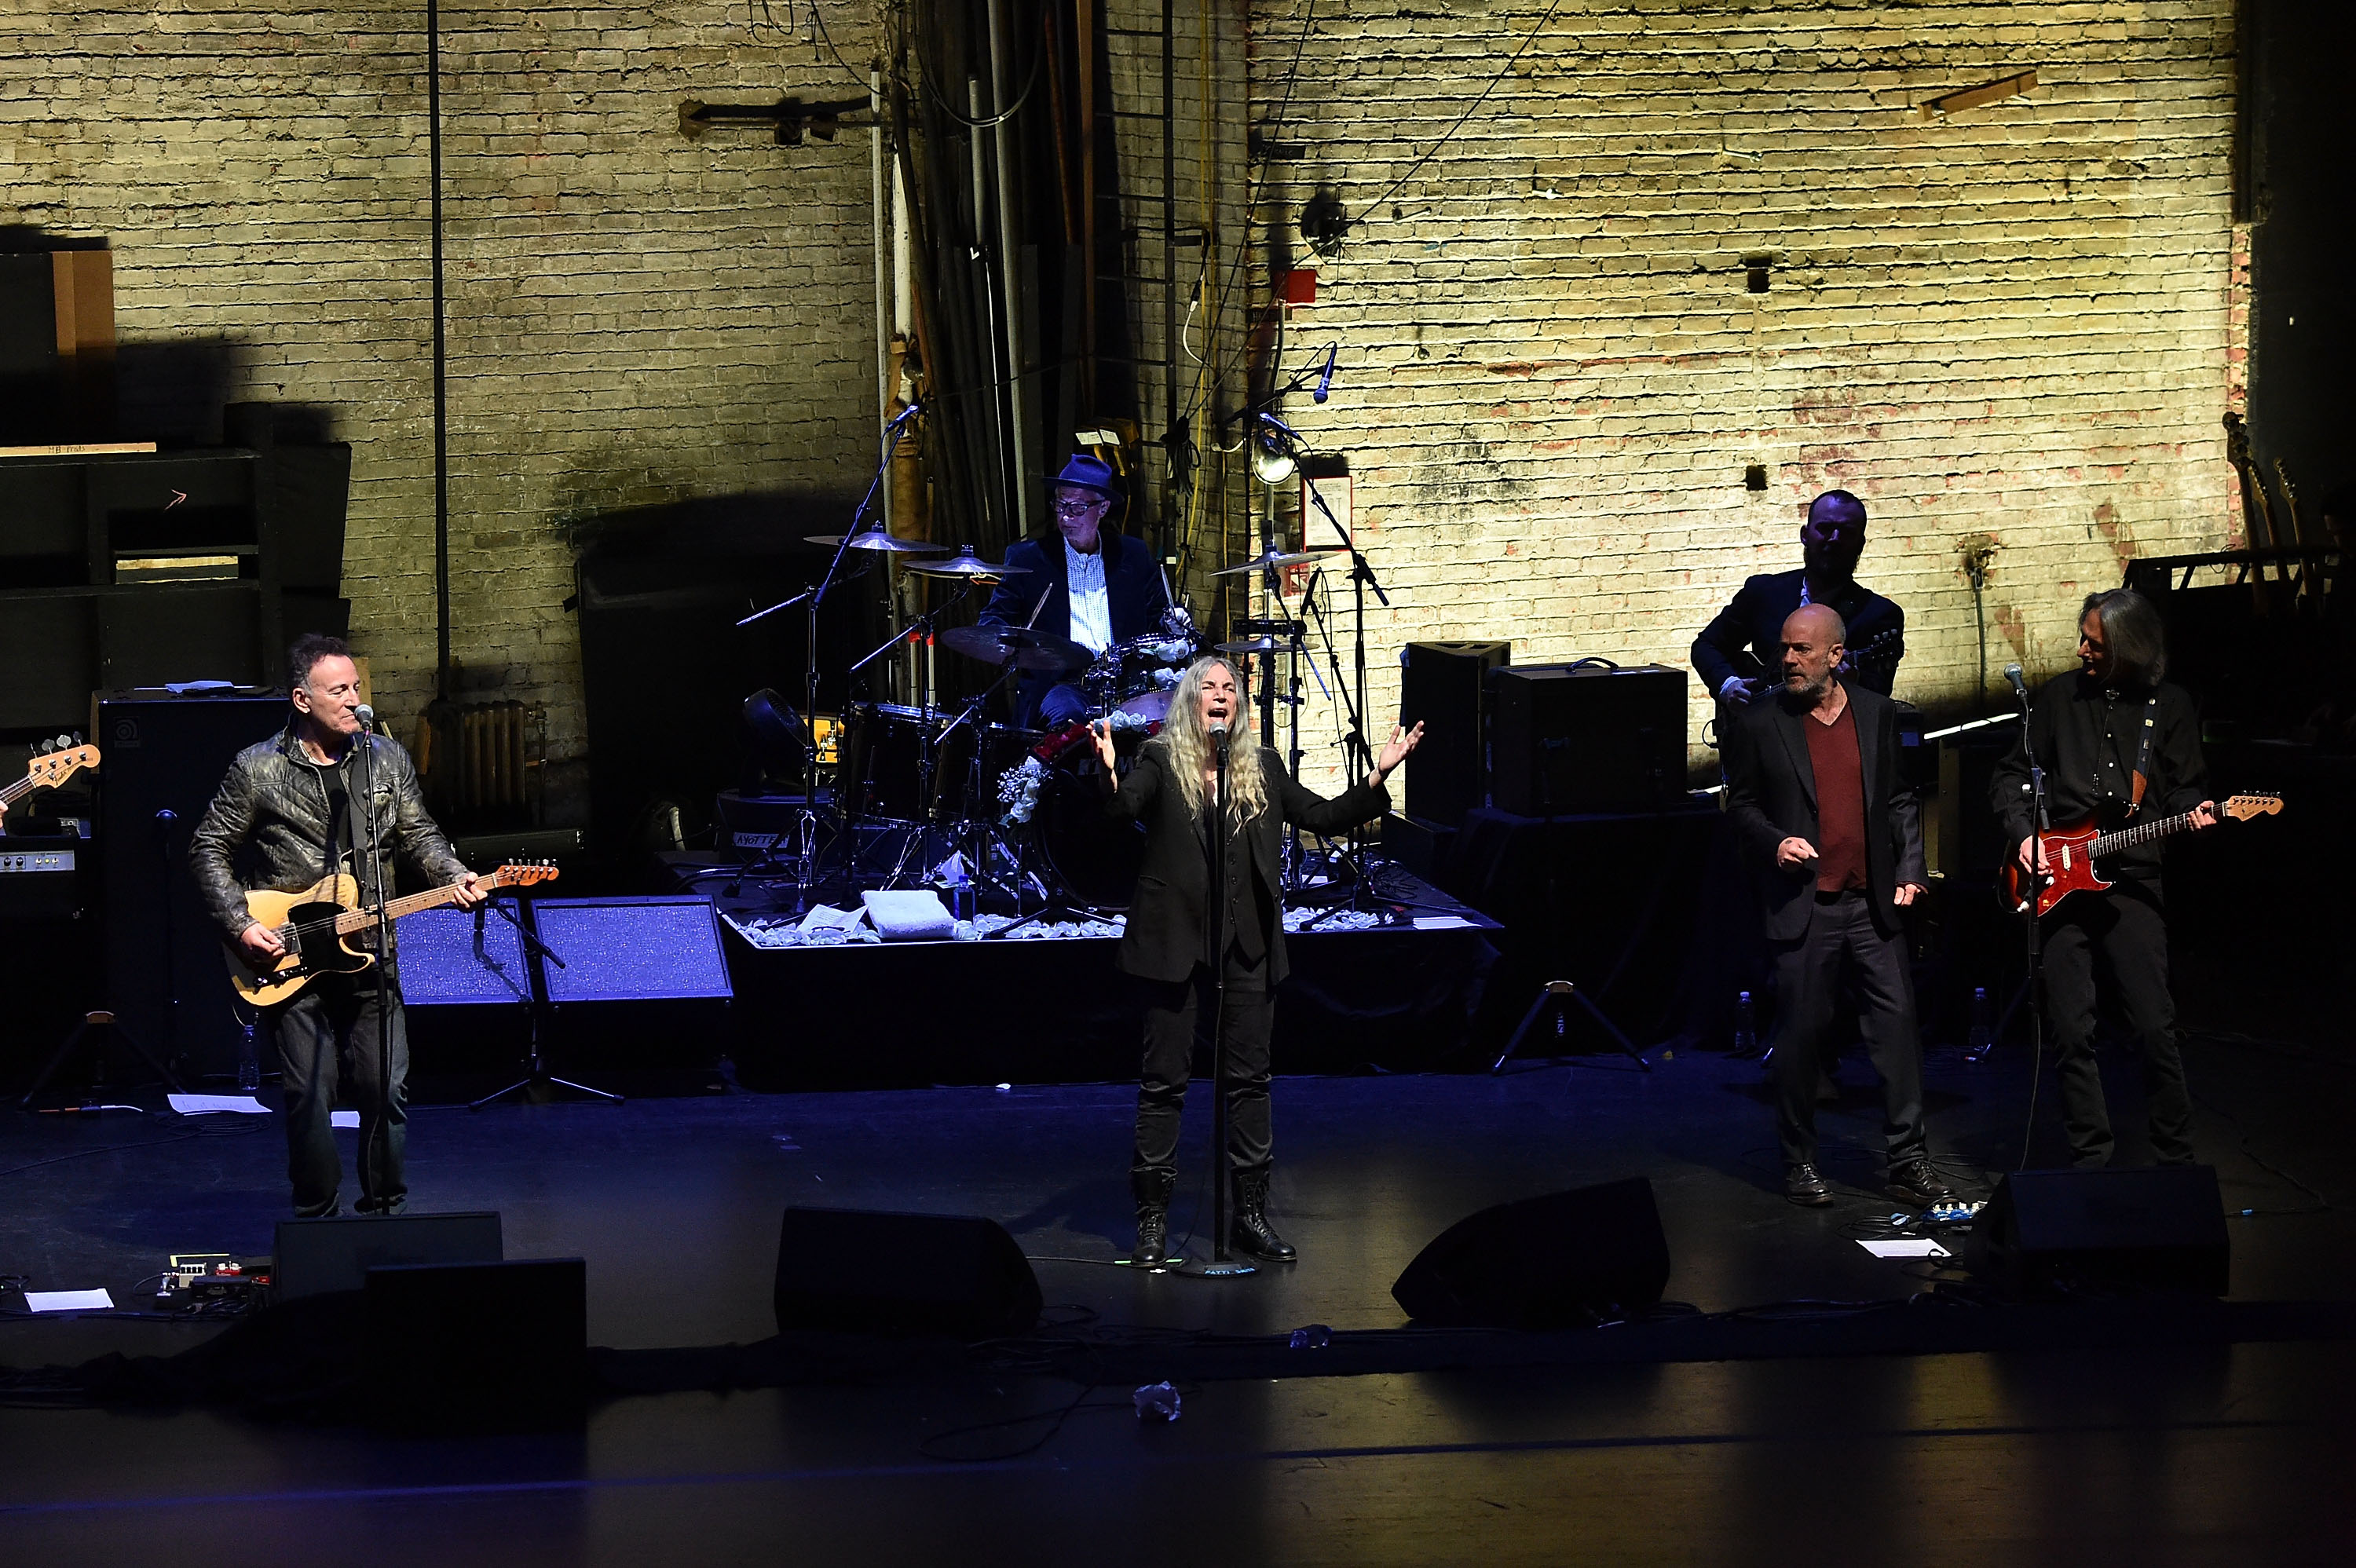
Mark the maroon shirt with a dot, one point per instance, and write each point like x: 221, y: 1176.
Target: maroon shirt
x: 1840, y: 800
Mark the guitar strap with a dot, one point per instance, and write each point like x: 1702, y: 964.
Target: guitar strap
x: 2143, y: 754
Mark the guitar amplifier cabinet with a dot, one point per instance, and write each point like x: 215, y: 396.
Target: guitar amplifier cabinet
x: 1566, y: 740
x: 1443, y: 687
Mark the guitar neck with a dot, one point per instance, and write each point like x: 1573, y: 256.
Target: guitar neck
x: 2127, y: 837
x: 353, y: 919
x: 15, y: 790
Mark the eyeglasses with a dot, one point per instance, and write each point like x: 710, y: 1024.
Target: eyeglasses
x: 1078, y: 509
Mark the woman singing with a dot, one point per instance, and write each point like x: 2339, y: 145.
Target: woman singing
x: 1172, y: 790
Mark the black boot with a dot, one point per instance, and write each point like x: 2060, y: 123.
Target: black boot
x: 1151, y: 1187
x: 1253, y: 1234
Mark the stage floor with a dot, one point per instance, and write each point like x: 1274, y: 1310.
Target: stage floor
x: 2201, y: 1452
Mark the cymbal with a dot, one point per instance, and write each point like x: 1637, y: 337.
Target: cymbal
x: 964, y: 564
x: 1025, y: 649
x: 1271, y: 558
x: 876, y: 538
x: 1253, y: 645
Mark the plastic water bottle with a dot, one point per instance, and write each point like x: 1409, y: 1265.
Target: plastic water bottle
x: 1982, y: 1038
x: 1746, y: 1025
x: 1156, y: 1401
x: 249, y: 1064
x: 1312, y: 1337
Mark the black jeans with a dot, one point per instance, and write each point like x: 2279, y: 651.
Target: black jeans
x: 327, y: 1036
x: 1841, y: 935
x: 2127, y: 930
x: 1172, y: 1015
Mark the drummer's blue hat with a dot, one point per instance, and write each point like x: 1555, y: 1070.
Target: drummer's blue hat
x: 1085, y: 472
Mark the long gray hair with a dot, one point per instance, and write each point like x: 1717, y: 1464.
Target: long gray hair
x: 2138, y: 639
x: 1189, y: 745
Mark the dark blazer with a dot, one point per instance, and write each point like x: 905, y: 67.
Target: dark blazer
x: 1771, y: 795
x: 1745, y: 638
x: 1132, y: 584
x: 1167, y: 931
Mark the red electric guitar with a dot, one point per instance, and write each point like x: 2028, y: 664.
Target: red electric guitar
x: 2070, y: 852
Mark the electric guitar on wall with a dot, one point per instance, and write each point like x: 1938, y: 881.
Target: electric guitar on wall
x: 47, y: 769
x: 2070, y: 852
x: 312, y: 922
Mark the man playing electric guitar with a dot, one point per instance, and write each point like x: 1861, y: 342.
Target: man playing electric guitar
x: 2116, y: 743
x: 283, y: 818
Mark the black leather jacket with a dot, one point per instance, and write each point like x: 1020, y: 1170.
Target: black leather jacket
x: 267, y: 826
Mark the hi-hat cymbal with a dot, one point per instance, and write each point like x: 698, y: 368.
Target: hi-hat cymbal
x: 1025, y: 649
x: 1253, y: 645
x: 964, y: 564
x: 876, y: 538
x: 1273, y: 558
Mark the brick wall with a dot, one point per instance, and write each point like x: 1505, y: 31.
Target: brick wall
x: 632, y: 319
x: 2016, y: 321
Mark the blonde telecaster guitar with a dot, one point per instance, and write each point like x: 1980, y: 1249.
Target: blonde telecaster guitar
x: 314, y: 921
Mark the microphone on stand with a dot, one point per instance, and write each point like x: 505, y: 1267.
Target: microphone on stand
x: 366, y: 716
x: 1219, y: 739
x: 2020, y: 687
x: 1326, y: 381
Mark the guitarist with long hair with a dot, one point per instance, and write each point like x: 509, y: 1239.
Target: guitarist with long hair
x: 2117, y: 744
x: 284, y: 818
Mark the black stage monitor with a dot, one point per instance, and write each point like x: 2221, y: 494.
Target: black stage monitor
x: 318, y: 1255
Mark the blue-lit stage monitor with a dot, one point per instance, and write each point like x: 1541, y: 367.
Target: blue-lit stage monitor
x: 632, y: 949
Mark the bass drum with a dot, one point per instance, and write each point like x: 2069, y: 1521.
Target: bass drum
x: 1092, y: 859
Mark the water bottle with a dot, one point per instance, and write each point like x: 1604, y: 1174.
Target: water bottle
x: 249, y: 1065
x: 1746, y: 1025
x: 1312, y: 1337
x: 1982, y: 1038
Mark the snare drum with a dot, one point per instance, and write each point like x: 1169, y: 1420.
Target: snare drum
x: 881, y: 775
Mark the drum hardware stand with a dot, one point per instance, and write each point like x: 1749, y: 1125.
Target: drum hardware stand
x: 538, y: 1085
x: 814, y: 596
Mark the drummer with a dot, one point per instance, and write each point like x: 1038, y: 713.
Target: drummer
x: 1100, y: 588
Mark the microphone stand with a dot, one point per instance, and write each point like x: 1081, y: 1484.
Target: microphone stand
x: 385, y: 989
x: 2032, y: 924
x: 1215, y: 930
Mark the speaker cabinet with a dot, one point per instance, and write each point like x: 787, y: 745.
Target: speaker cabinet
x: 315, y: 1256
x: 863, y: 1272
x: 1591, y: 1255
x: 478, y: 1347
x: 163, y: 759
x: 2050, y: 1232
x: 1443, y: 687
x: 1571, y: 739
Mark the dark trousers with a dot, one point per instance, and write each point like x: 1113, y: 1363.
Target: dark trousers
x: 1174, y: 1013
x: 327, y: 1036
x: 2126, y: 931
x: 1840, y: 938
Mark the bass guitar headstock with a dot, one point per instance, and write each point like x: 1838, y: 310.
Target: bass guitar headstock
x: 58, y: 761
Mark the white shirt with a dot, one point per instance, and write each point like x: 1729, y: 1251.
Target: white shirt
x: 1084, y: 579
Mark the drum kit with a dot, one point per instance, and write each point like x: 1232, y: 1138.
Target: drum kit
x: 1017, y: 814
